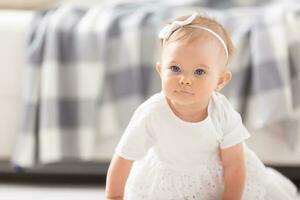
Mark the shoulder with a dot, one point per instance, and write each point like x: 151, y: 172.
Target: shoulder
x: 149, y: 107
x: 220, y: 105
x: 222, y: 111
x: 228, y: 122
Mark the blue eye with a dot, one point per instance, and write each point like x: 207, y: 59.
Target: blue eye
x: 175, y: 68
x: 199, y: 72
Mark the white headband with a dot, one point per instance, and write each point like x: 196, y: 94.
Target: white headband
x: 167, y: 31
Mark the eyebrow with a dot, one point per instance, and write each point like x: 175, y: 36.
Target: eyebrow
x: 204, y: 66
x: 197, y: 66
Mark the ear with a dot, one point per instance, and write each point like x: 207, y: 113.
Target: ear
x: 158, y: 68
x: 224, y: 78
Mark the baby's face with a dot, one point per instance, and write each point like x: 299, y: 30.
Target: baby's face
x: 190, y: 71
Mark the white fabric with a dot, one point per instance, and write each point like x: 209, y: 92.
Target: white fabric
x: 175, y: 159
x: 227, y: 121
x: 167, y: 31
x: 146, y: 128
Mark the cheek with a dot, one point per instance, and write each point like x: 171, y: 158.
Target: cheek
x: 169, y: 84
x: 168, y: 79
x: 205, y: 85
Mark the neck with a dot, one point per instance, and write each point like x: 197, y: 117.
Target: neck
x: 190, y: 113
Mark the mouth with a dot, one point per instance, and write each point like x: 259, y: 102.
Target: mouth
x: 184, y: 92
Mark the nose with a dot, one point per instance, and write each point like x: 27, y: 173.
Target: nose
x: 185, y: 80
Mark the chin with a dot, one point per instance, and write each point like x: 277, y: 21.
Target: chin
x: 182, y: 100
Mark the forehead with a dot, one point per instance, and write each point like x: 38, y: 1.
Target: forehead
x: 201, y: 51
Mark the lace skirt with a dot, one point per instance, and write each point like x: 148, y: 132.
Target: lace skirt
x: 152, y: 179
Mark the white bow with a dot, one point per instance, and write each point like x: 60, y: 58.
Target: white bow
x: 168, y: 30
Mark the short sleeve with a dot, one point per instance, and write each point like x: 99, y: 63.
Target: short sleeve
x: 137, y: 139
x: 231, y: 125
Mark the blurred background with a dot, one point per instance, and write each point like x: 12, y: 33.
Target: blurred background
x: 72, y: 73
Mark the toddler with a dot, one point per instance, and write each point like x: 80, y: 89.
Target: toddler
x: 187, y: 142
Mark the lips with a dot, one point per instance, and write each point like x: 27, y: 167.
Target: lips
x: 185, y: 92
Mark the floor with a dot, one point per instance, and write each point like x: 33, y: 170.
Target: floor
x: 51, y: 187
x: 50, y: 192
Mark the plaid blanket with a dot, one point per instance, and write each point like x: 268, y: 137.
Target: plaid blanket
x: 89, y: 68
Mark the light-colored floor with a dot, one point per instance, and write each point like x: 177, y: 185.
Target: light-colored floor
x: 50, y: 192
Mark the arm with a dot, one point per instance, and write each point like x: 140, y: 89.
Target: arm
x: 234, y: 172
x: 116, y: 178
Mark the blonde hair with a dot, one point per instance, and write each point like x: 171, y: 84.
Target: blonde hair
x: 191, y: 34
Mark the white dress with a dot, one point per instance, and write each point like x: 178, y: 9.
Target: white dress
x: 179, y: 160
